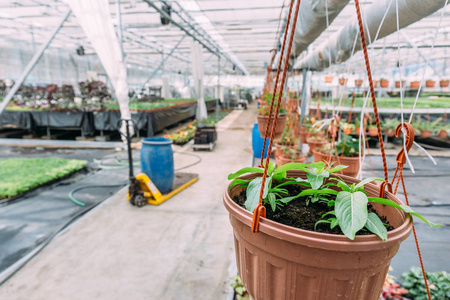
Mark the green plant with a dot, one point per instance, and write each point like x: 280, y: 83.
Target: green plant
x: 438, y: 282
x: 265, y: 109
x: 239, y: 288
x: 391, y: 289
x: 428, y: 125
x: 350, y: 205
x: 383, y: 79
x: 390, y: 123
x: 348, y: 146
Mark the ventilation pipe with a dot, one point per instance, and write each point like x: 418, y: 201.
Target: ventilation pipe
x: 339, y: 45
x: 312, y: 21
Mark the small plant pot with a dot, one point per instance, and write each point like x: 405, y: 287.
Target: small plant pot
x: 328, y: 79
x: 414, y: 84
x: 444, y: 83
x: 372, y: 131
x: 343, y: 81
x: 262, y: 123
x: 425, y: 133
x: 281, y: 159
x: 357, y: 131
x: 375, y: 83
x: 315, y: 144
x: 278, y: 147
x: 389, y: 132
x: 398, y: 85
x: 443, y: 133
x: 347, y: 130
x: 304, y: 135
x: 430, y: 83
x: 352, y: 162
x: 286, y: 263
x: 358, y: 82
x: 384, y: 83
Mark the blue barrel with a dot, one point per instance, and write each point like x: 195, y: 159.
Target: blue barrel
x: 257, y: 143
x: 157, y: 162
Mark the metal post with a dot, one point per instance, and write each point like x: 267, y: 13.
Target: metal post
x: 32, y: 63
x: 305, y: 97
x: 218, y: 87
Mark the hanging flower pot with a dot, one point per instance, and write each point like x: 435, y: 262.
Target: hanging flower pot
x: 372, y: 131
x: 414, y: 84
x: 358, y: 82
x: 328, y: 79
x: 343, y: 81
x: 384, y: 83
x: 352, y: 162
x: 425, y: 133
x: 397, y: 84
x: 444, y: 83
x: 357, y: 130
x: 316, y: 143
x: 281, y: 158
x: 430, y: 83
x: 282, y: 262
x: 389, y: 132
x: 262, y: 123
x: 443, y: 133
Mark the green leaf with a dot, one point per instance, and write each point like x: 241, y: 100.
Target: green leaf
x: 270, y: 168
x: 286, y: 183
x: 331, y: 203
x: 403, y: 207
x: 351, y: 212
x: 367, y: 180
x: 316, y: 180
x: 295, y: 166
x: 280, y: 176
x: 321, y: 221
x: 375, y: 225
x: 337, y: 169
x: 245, y: 170
x: 334, y: 222
x: 253, y: 191
x: 328, y: 213
x: 272, y: 200
x: 318, y: 192
x: 239, y: 181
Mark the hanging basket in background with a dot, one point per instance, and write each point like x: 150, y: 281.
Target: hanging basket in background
x: 262, y: 123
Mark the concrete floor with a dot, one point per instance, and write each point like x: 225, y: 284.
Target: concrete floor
x: 182, y: 249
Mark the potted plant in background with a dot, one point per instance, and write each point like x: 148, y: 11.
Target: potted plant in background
x: 328, y: 79
x: 414, y: 84
x: 430, y: 83
x: 263, y: 117
x: 398, y: 85
x: 372, y: 130
x: 389, y: 126
x: 358, y: 126
x: 443, y: 133
x: 343, y: 80
x: 375, y: 83
x: 358, y: 82
x: 347, y: 128
x: 345, y: 153
x: 289, y: 155
x: 287, y: 139
x: 443, y: 83
x: 309, y: 245
x: 316, y: 143
x: 426, y: 128
x: 384, y: 83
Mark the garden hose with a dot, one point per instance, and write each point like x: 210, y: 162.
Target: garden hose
x: 78, y: 202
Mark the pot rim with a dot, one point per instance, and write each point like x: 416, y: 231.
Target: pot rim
x: 322, y: 240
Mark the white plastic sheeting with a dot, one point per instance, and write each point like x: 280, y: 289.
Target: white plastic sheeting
x: 165, y: 87
x: 197, y: 73
x: 339, y: 45
x: 94, y: 17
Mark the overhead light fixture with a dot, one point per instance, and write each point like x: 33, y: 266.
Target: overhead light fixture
x: 167, y: 9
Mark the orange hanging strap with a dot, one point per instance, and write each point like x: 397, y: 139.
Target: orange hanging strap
x: 258, y: 209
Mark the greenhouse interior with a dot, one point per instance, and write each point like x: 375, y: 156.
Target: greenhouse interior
x: 206, y: 149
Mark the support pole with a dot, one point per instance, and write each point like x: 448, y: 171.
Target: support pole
x: 120, y: 35
x: 32, y: 63
x: 218, y: 87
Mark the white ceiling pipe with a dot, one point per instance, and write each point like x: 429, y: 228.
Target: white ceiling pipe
x: 340, y: 44
x: 311, y: 23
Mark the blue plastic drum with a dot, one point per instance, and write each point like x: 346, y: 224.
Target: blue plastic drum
x: 257, y: 143
x: 157, y: 162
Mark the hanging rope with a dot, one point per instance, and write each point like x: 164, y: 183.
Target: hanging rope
x: 260, y: 210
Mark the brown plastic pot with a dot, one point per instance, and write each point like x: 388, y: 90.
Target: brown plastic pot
x: 444, y: 83
x: 286, y: 263
x: 281, y: 159
x: 389, y: 132
x: 375, y: 83
x: 384, y: 83
x: 278, y: 146
x: 358, y: 82
x: 352, y: 162
x: 414, y: 84
x: 397, y: 84
x: 315, y: 144
x: 357, y: 130
x: 347, y: 130
x: 328, y: 79
x: 443, y: 133
x: 343, y: 81
x: 262, y: 123
x: 372, y: 131
x: 425, y: 133
x: 430, y: 83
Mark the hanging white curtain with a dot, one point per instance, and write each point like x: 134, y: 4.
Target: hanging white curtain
x: 197, y: 72
x: 165, y: 93
x: 94, y: 17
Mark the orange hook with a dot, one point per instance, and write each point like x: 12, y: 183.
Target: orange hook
x: 409, y: 132
x: 260, y: 211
